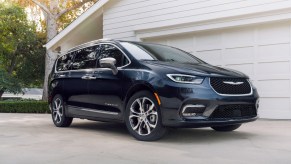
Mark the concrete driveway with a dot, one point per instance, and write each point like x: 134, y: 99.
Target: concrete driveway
x: 32, y: 138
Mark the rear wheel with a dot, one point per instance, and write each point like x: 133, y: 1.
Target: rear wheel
x: 143, y: 117
x: 226, y: 128
x: 58, y: 112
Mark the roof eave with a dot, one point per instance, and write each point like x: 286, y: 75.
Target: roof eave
x: 75, y: 23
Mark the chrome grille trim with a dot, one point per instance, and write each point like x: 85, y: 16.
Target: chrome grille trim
x: 248, y: 94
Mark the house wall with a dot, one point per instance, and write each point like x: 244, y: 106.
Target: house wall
x: 123, y: 18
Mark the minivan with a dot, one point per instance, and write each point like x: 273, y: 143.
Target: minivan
x: 149, y: 87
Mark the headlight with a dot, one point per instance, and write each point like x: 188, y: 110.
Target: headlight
x: 179, y: 78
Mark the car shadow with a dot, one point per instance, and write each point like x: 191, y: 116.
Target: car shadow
x: 179, y: 135
x: 104, y: 127
x: 204, y: 135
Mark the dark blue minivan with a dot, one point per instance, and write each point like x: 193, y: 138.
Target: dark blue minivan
x: 149, y: 87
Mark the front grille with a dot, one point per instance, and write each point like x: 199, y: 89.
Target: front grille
x: 234, y: 111
x: 231, y: 86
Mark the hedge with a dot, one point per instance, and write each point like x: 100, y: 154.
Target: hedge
x: 24, y: 107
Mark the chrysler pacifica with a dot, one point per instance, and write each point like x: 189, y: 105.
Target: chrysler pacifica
x: 149, y: 87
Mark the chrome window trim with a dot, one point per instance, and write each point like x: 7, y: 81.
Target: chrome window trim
x: 93, y: 110
x: 92, y: 69
x: 234, y: 95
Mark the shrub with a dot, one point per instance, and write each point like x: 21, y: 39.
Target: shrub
x: 24, y: 107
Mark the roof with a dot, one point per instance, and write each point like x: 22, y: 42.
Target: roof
x: 75, y: 23
x: 91, y: 43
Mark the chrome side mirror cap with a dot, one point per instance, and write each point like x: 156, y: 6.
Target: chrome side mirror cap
x: 109, y: 63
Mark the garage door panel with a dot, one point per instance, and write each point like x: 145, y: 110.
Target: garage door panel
x: 211, y: 57
x: 274, y: 68
x: 248, y: 69
x: 157, y: 40
x: 263, y: 52
x: 244, y: 54
x: 243, y: 37
x: 274, y: 114
x: 182, y: 42
x: 274, y: 52
x: 209, y: 41
x: 274, y: 33
x: 272, y: 77
x: 274, y: 88
x: 275, y: 108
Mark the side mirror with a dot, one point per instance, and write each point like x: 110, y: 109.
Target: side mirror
x: 109, y: 63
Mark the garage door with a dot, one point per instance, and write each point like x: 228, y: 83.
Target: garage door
x: 261, y: 51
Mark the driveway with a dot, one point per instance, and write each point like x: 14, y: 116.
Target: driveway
x: 32, y: 138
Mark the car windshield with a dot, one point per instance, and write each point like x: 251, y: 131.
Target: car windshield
x: 148, y: 51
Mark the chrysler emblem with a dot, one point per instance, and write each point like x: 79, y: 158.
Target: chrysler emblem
x: 233, y: 83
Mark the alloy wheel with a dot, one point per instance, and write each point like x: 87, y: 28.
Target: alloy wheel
x: 57, y: 110
x: 143, y: 116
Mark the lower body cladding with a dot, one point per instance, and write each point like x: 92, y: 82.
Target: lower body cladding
x: 208, y: 110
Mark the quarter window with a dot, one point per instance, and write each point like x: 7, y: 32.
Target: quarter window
x: 65, y: 62
x: 86, y: 58
x: 108, y: 50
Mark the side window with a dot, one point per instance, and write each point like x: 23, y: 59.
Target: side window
x: 64, y: 63
x: 86, y: 58
x: 108, y: 50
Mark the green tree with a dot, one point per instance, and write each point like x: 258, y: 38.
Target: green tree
x: 58, y: 14
x: 8, y: 83
x: 19, y: 43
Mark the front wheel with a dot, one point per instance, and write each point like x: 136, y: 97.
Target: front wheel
x: 226, y: 128
x: 143, y: 117
x: 58, y: 112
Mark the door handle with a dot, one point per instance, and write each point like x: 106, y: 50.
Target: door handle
x: 92, y: 77
x: 88, y: 77
x: 62, y: 75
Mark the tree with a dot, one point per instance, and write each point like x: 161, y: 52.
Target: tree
x: 18, y: 44
x: 30, y: 70
x: 58, y: 14
x: 8, y: 83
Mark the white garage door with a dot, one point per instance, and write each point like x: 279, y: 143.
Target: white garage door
x: 261, y: 51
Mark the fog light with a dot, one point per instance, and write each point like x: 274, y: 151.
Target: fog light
x: 193, y: 110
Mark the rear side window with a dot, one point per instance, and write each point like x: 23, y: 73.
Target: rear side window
x: 64, y: 63
x: 86, y: 58
x: 108, y: 50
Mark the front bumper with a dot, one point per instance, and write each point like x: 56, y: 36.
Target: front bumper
x: 176, y: 96
x: 207, y: 123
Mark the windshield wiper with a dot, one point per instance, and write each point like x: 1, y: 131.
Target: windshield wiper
x: 170, y: 60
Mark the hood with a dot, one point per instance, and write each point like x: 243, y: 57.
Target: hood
x: 201, y: 69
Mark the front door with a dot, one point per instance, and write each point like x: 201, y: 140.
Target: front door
x: 106, y: 89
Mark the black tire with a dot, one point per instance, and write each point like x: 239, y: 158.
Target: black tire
x: 58, y: 112
x: 226, y: 128
x: 147, y: 117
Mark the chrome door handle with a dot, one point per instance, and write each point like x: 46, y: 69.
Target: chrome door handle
x: 88, y: 77
x: 62, y: 75
x: 92, y: 77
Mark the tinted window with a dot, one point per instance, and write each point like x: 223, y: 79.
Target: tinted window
x: 108, y: 50
x: 86, y: 58
x: 147, y: 51
x: 65, y: 62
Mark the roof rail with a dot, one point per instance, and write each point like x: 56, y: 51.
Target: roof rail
x: 88, y: 43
